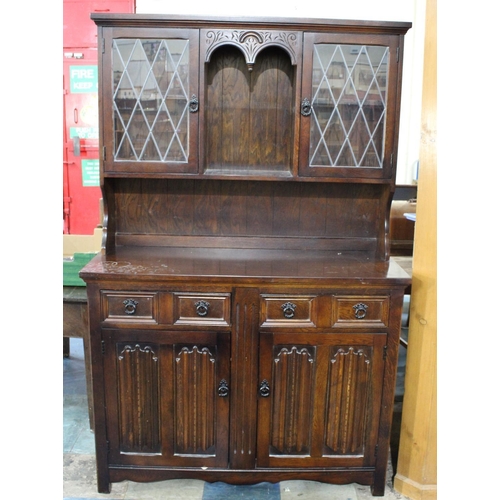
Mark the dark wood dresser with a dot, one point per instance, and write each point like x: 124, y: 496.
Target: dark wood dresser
x: 244, y: 312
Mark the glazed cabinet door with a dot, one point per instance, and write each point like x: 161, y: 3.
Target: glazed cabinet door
x: 319, y: 399
x: 149, y: 94
x: 350, y: 96
x: 167, y: 398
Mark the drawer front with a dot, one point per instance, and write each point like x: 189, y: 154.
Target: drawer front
x: 288, y: 311
x: 202, y: 309
x: 130, y: 307
x: 360, y: 311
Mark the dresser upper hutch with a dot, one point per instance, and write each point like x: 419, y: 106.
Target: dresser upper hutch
x: 264, y: 133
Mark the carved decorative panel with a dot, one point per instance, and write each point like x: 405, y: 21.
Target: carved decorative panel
x: 194, y: 401
x: 138, y: 388
x: 349, y: 377
x: 251, y: 42
x: 293, y: 388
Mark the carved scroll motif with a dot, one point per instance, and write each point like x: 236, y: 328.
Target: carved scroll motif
x: 252, y: 42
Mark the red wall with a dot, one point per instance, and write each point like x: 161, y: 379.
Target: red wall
x: 81, y: 191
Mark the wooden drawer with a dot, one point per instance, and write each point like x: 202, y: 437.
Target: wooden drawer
x: 288, y: 310
x: 360, y: 311
x: 129, y: 307
x: 201, y: 309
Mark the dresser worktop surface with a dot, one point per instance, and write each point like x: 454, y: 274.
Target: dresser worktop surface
x: 242, y: 265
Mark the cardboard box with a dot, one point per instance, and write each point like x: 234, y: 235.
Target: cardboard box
x: 82, y: 243
x: 78, y: 250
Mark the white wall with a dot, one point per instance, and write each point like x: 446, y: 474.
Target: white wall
x: 381, y: 10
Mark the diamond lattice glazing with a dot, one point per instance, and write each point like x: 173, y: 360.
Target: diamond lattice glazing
x: 150, y: 99
x: 348, y: 105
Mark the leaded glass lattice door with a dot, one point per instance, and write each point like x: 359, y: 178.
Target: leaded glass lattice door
x: 347, y: 106
x: 154, y: 102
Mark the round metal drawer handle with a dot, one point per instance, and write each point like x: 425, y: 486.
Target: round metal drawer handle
x: 193, y: 104
x: 360, y: 310
x: 264, y: 389
x: 130, y: 306
x: 305, y: 107
x: 223, y: 389
x: 202, y: 308
x: 288, y: 309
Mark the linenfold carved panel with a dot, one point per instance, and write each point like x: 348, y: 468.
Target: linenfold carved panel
x: 194, y: 407
x: 292, y: 400
x: 138, y: 388
x: 251, y: 42
x: 347, y: 400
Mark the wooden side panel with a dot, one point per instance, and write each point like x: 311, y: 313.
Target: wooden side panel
x: 194, y: 401
x: 292, y: 400
x: 138, y: 387
x: 349, y: 380
x: 417, y: 462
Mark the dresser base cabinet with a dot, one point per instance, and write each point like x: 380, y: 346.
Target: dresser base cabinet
x: 282, y: 379
x: 244, y: 312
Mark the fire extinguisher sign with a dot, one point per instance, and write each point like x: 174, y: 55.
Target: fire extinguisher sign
x: 83, y: 79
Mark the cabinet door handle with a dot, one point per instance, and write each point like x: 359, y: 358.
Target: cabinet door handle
x: 360, y: 310
x: 193, y: 104
x: 264, y: 389
x: 223, y: 389
x: 202, y: 308
x: 305, y: 107
x: 130, y: 306
x: 288, y: 309
x: 76, y: 146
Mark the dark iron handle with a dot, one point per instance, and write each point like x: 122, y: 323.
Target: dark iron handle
x: 130, y: 306
x: 264, y: 389
x: 202, y: 308
x: 305, y: 107
x: 193, y: 104
x: 288, y: 309
x: 223, y: 389
x: 360, y: 310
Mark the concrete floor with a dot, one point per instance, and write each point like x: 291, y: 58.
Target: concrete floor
x: 79, y: 475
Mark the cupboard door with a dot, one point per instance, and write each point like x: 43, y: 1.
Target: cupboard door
x: 167, y: 398
x: 349, y: 100
x: 150, y: 101
x: 319, y: 399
